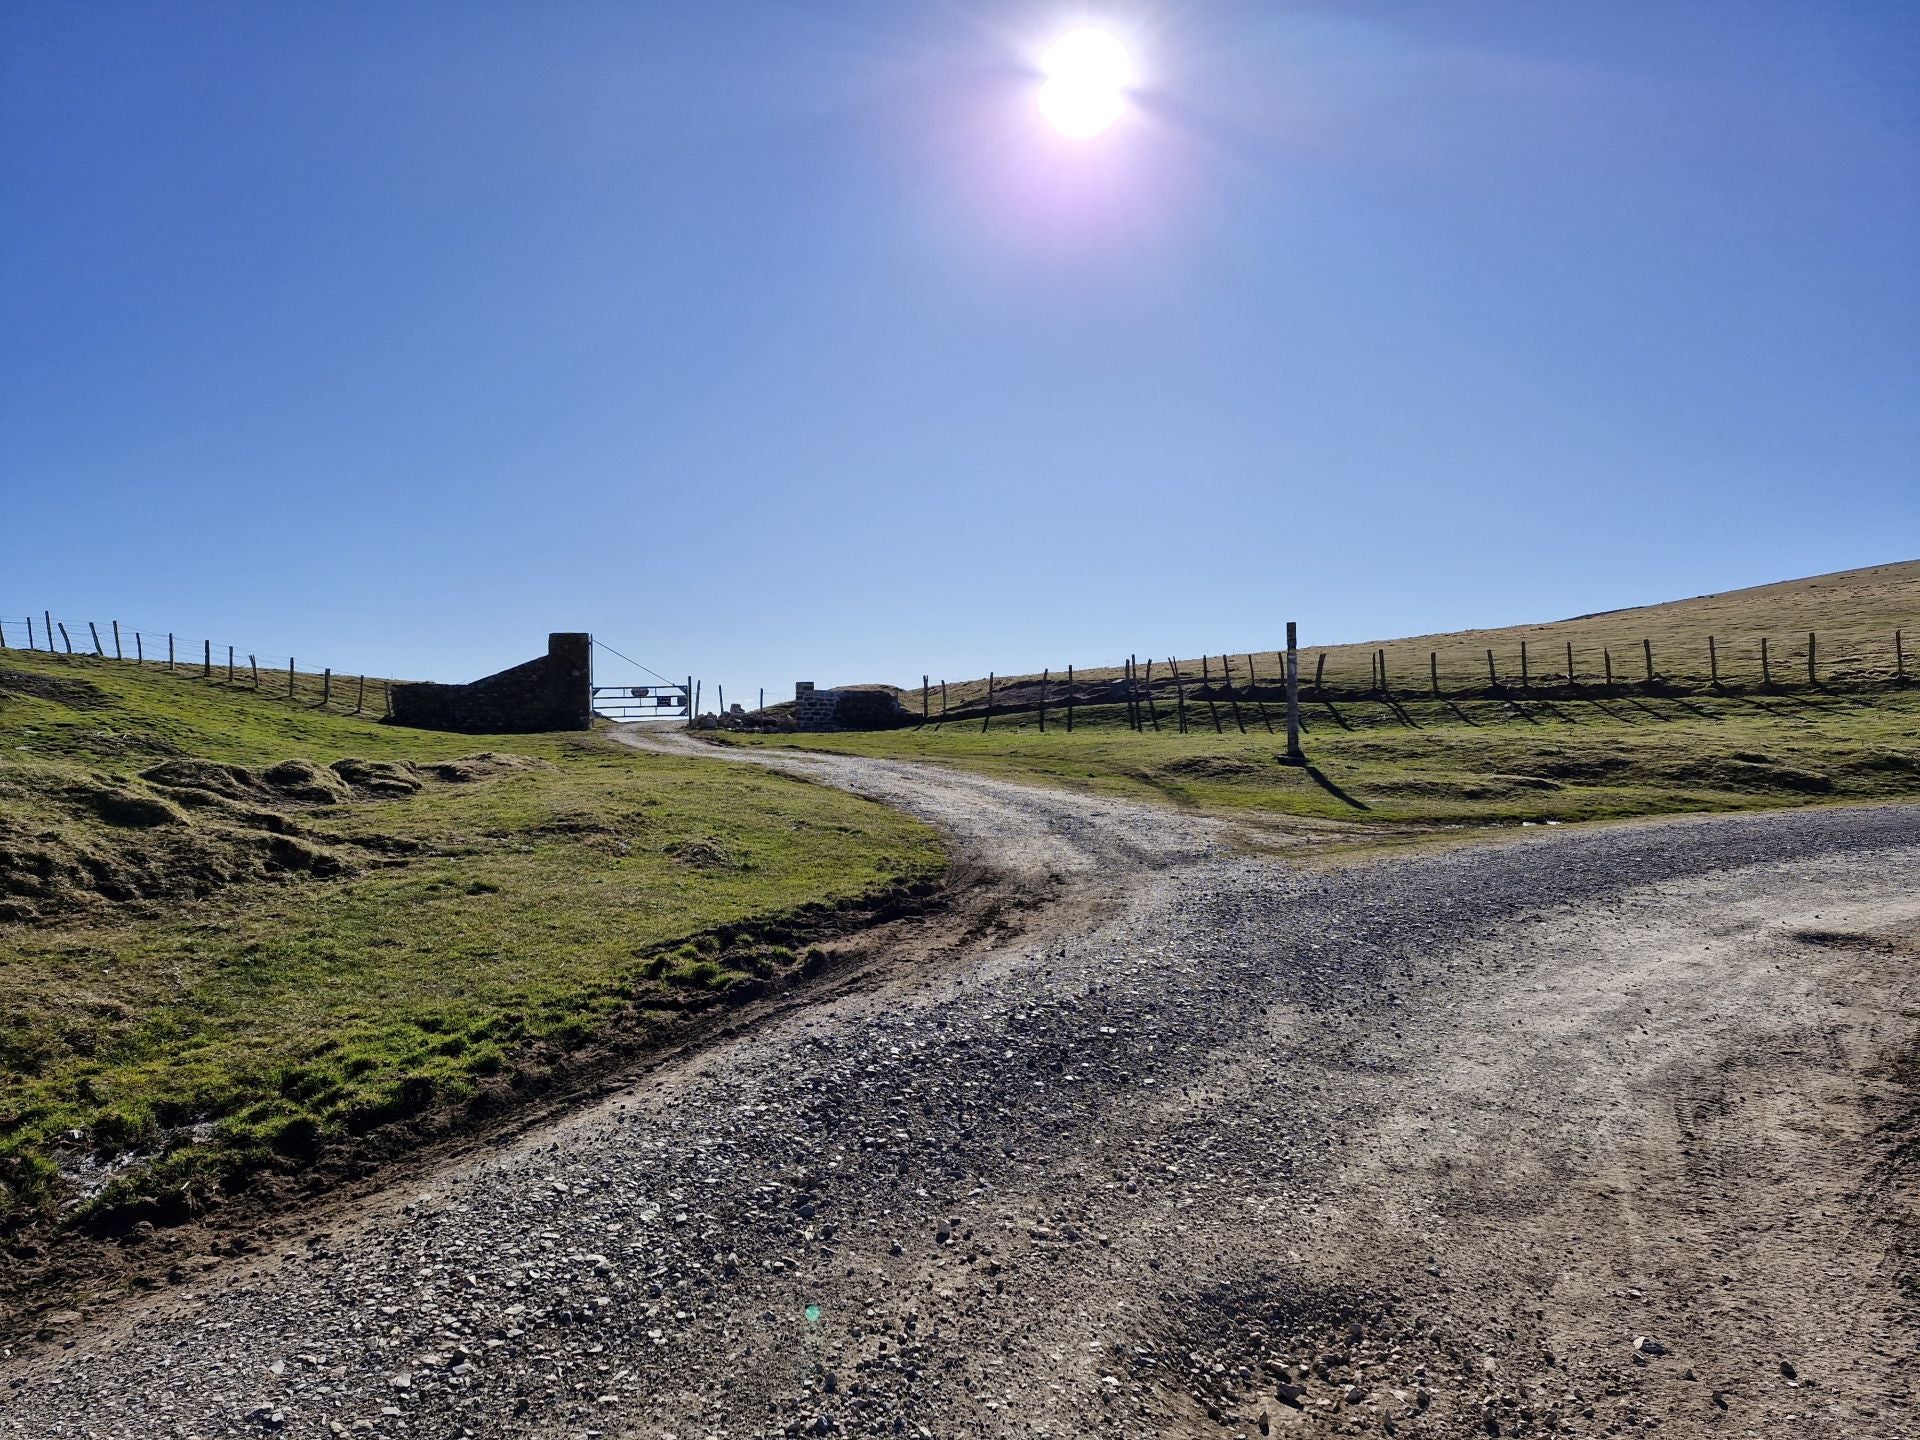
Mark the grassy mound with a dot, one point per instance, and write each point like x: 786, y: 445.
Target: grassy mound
x: 235, y: 932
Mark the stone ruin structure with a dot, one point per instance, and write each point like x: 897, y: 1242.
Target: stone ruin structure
x: 554, y: 692
x: 815, y: 709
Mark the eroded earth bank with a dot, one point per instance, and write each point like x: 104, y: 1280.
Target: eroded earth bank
x: 1584, y: 1134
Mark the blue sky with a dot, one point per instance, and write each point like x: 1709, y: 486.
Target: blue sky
x: 774, y: 340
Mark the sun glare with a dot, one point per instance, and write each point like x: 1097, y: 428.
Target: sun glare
x: 1087, y: 74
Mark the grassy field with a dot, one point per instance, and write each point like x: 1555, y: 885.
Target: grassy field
x: 235, y: 931
x: 1488, y: 754
x: 1471, y: 762
x: 1854, y: 613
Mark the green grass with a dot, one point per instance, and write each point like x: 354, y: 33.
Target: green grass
x: 172, y: 1043
x: 1473, y: 762
x: 1854, y: 613
x: 1490, y: 754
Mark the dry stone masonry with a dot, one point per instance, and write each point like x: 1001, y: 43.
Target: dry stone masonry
x: 554, y: 692
x: 846, y: 709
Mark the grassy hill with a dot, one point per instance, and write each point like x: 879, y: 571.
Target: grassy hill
x: 1494, y: 753
x: 1853, y: 612
x: 236, y: 933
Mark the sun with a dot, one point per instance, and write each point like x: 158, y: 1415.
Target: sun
x: 1087, y: 74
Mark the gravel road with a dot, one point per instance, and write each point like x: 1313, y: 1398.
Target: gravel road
x: 1587, y: 1133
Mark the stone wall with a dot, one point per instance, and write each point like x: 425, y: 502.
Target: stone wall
x: 554, y: 692
x: 814, y: 709
x: 846, y: 709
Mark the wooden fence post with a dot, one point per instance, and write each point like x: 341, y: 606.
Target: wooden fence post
x: 1133, y: 697
x: 924, y: 691
x: 33, y: 644
x: 987, y: 719
x: 1766, y: 665
x: 289, y: 678
x: 1606, y: 656
x: 1293, y: 691
x: 96, y: 640
x: 1179, y: 695
x: 169, y: 650
x: 1646, y: 647
x: 1153, y: 710
x: 206, y: 659
x: 1226, y: 669
x: 118, y: 653
x: 1713, y: 662
x: 47, y: 615
x: 386, y: 689
x: 1319, y: 672
x: 1069, y: 699
x: 360, y: 695
x: 1253, y: 689
x: 1812, y: 642
x: 720, y: 698
x: 1524, y: 681
x: 1493, y: 677
x: 1433, y: 671
x: 139, y: 650
x: 1570, y: 679
x: 229, y: 664
x: 1206, y: 688
x: 326, y: 687
x: 66, y: 639
x: 1046, y: 678
x: 253, y: 665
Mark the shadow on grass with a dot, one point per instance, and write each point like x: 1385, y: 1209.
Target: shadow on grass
x: 1395, y: 706
x: 1319, y: 777
x: 1556, y: 712
x: 1610, y: 714
x: 1519, y: 709
x: 1688, y: 705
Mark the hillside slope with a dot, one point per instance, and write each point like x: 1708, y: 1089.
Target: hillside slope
x: 1481, y: 752
x: 1853, y: 612
x: 236, y: 933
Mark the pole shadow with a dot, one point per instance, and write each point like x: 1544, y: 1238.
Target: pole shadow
x: 1320, y: 778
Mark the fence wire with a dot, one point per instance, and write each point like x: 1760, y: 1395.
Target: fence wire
x: 173, y: 652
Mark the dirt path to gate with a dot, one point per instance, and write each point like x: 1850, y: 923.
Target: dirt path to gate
x: 1199, y: 1144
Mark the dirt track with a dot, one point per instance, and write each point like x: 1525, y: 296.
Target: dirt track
x: 1217, y: 1144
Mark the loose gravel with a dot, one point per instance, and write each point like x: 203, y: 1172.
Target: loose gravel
x: 1564, y: 1136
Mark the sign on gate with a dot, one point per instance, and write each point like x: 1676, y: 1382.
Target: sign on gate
x: 640, y: 702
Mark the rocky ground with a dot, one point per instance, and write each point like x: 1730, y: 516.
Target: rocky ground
x: 1593, y: 1133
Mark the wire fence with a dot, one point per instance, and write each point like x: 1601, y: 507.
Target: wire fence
x: 277, y: 677
x: 1210, y: 691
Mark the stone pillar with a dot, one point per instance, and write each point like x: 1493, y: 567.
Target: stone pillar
x: 570, y: 660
